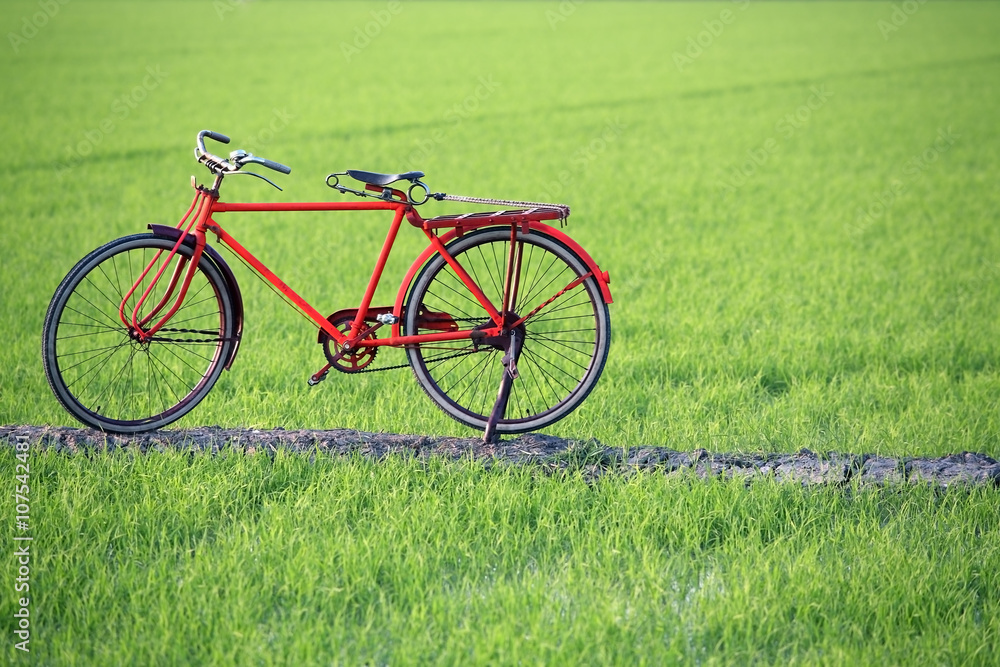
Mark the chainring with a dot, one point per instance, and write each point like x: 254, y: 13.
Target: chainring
x: 355, y: 360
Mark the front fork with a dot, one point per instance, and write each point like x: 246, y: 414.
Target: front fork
x: 138, y: 327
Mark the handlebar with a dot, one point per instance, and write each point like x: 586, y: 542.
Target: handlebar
x: 270, y: 164
x: 218, y: 136
x: 222, y: 166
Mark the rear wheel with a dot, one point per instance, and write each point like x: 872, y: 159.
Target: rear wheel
x: 107, y: 378
x: 563, y: 347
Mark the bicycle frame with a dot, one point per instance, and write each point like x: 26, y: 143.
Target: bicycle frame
x: 502, y: 318
x: 199, y: 220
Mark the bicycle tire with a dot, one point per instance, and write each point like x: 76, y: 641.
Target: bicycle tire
x: 565, y: 345
x: 125, y: 386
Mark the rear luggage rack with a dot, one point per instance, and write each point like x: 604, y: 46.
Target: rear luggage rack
x: 489, y: 218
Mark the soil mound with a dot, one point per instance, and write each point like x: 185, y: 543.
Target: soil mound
x: 592, y: 458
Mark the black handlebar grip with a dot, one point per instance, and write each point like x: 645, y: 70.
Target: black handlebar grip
x: 221, y: 138
x: 277, y: 166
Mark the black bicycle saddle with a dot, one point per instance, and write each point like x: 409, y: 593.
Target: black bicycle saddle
x: 375, y: 178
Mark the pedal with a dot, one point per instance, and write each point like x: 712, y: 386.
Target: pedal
x: 318, y: 376
x: 387, y: 318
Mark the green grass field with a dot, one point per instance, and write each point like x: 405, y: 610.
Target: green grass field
x: 797, y: 203
x: 244, y: 560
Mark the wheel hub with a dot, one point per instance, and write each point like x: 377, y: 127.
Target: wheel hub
x: 136, y: 339
x: 502, y: 342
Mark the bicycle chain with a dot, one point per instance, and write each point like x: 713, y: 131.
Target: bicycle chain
x: 399, y: 366
x: 363, y: 370
x: 193, y: 340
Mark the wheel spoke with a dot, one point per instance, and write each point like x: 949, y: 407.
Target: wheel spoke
x: 95, y: 371
x: 181, y: 359
x: 114, y: 379
x: 96, y: 349
x: 564, y: 344
x: 115, y: 324
x: 84, y: 340
x: 474, y: 385
x: 535, y: 359
x: 113, y: 349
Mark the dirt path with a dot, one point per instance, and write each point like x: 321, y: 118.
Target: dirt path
x: 552, y: 453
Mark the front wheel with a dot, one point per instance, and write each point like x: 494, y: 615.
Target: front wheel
x: 101, y: 373
x: 564, y: 345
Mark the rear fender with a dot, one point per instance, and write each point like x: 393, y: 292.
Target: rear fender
x: 602, y: 277
x: 227, y: 274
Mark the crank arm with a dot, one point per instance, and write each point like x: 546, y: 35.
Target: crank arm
x: 319, y: 375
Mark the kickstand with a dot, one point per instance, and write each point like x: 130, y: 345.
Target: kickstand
x: 510, y: 374
x: 499, y: 408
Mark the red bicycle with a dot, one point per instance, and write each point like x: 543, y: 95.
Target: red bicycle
x: 504, y: 318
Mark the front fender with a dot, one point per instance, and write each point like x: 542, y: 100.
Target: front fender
x: 602, y: 277
x: 227, y: 273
